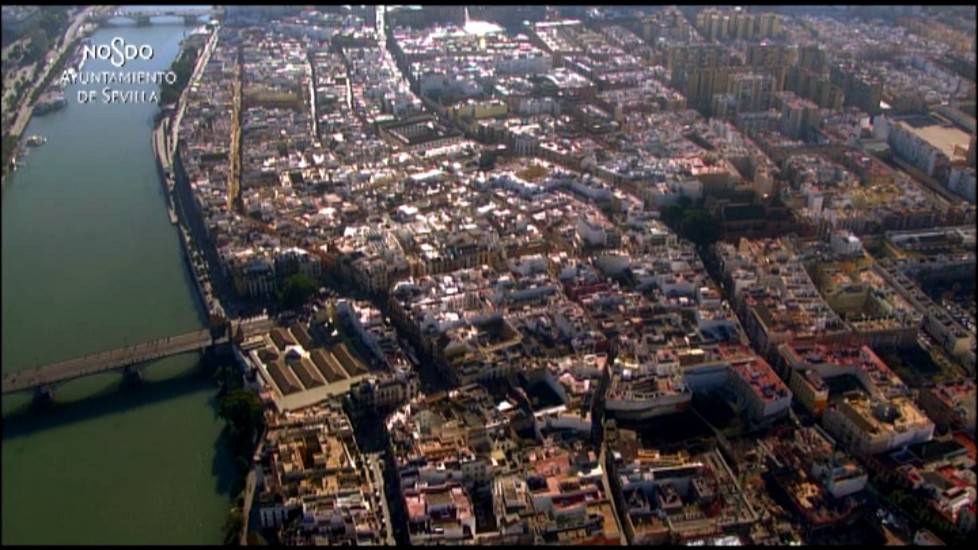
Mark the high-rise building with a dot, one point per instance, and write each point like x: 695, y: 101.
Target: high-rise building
x: 700, y: 72
x: 815, y: 86
x: 799, y: 117
x: 752, y: 91
x: 812, y: 57
x: 861, y: 89
x: 768, y: 25
x: 736, y: 24
x: 743, y: 26
x: 773, y: 58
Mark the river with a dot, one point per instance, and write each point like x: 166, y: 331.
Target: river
x: 91, y: 262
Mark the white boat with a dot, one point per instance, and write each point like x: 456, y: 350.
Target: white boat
x: 50, y: 101
x: 36, y: 141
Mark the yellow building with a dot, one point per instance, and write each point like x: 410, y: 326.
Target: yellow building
x: 480, y: 109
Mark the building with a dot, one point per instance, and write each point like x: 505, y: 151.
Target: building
x: 962, y: 180
x: 311, y: 470
x: 774, y: 295
x: 811, y: 364
x: 439, y: 514
x: 820, y: 481
x: 950, y: 404
x: 937, y: 473
x: 878, y: 314
x: 799, y: 117
x: 926, y: 143
x: 868, y: 425
x: 674, y: 498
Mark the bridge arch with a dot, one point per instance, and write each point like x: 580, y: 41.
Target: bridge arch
x: 106, y: 361
x: 145, y: 17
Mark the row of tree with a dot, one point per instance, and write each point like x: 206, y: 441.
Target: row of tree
x: 692, y: 221
x: 296, y: 291
x: 183, y: 67
x: 50, y: 27
x: 242, y: 412
x: 243, y: 415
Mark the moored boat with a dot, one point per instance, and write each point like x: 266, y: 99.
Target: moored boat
x: 36, y: 140
x: 50, y: 101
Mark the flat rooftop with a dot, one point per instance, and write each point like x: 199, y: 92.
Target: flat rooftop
x: 944, y: 137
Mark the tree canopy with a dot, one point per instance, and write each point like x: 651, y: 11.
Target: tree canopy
x: 296, y: 290
x: 38, y: 46
x: 242, y: 409
x: 700, y: 227
x: 692, y: 222
x: 183, y: 67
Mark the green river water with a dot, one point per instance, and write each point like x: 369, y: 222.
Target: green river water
x: 91, y: 262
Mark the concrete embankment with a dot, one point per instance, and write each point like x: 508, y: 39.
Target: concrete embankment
x: 196, y: 247
x: 190, y: 253
x: 164, y: 168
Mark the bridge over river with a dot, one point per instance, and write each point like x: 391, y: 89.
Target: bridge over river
x: 144, y: 16
x: 46, y: 376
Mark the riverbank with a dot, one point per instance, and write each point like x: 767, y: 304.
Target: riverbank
x: 165, y: 142
x: 11, y: 138
x: 91, y: 262
x: 238, y: 406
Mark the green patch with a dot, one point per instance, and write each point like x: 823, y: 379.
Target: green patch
x: 55, y: 71
x: 9, y: 146
x: 183, y: 67
x: 243, y: 411
x: 296, y: 291
x: 692, y: 222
